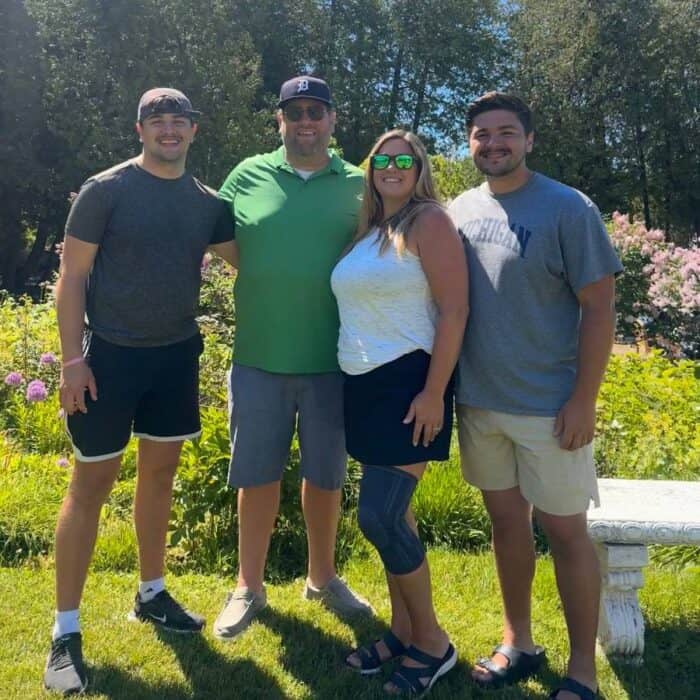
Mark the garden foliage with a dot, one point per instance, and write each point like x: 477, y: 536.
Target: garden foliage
x: 647, y: 427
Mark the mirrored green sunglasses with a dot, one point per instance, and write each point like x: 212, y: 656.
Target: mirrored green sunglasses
x: 403, y: 161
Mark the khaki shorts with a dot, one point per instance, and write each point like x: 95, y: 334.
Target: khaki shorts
x: 500, y: 451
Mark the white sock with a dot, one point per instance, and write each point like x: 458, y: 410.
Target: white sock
x: 148, y: 590
x: 67, y: 621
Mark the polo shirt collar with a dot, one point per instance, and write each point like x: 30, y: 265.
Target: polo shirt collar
x: 335, y: 165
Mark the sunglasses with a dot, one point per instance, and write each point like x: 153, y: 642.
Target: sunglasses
x: 403, y: 161
x: 295, y: 113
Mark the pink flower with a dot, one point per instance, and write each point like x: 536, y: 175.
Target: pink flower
x: 47, y: 358
x: 62, y: 462
x: 206, y: 260
x: 14, y: 379
x: 36, y: 391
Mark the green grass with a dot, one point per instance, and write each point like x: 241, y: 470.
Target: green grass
x: 296, y: 648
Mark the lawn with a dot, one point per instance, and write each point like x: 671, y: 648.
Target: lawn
x: 296, y: 648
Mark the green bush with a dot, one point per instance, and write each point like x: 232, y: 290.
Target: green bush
x: 31, y: 490
x: 204, y: 526
x: 116, y: 548
x: 32, y: 487
x: 448, y: 511
x: 454, y: 176
x: 648, y: 419
x: 647, y: 427
x: 36, y: 427
x: 28, y: 330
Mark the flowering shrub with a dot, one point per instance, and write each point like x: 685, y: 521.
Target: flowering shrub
x: 658, y: 295
x: 47, y: 358
x: 647, y: 427
x: 29, y: 365
x: 36, y: 391
x: 14, y: 379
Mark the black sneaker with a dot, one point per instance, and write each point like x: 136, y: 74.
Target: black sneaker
x: 65, y: 670
x: 165, y: 612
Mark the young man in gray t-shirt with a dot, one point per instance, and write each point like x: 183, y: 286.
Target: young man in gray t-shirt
x: 542, y: 271
x: 130, y: 276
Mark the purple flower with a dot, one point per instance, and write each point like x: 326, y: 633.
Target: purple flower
x: 62, y: 462
x: 14, y: 379
x: 47, y: 358
x: 36, y: 390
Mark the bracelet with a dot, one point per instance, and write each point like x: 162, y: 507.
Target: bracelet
x: 74, y: 361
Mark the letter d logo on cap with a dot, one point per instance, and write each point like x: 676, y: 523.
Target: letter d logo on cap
x: 303, y: 86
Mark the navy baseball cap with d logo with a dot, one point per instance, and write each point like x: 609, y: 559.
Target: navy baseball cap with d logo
x: 307, y: 87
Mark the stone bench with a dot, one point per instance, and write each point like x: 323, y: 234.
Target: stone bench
x: 634, y: 514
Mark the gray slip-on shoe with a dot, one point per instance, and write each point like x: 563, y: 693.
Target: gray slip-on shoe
x: 338, y: 597
x: 238, y: 612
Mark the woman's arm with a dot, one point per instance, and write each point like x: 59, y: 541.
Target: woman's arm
x: 436, y: 241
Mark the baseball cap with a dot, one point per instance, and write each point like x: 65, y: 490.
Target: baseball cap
x: 165, y: 101
x: 307, y: 87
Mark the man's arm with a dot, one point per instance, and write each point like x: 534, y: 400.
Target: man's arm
x: 76, y: 263
x: 575, y: 423
x: 228, y: 251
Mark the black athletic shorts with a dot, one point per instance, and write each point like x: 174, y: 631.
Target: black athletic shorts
x: 153, y: 391
x: 376, y: 404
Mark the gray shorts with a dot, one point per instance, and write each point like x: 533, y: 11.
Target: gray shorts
x: 266, y: 407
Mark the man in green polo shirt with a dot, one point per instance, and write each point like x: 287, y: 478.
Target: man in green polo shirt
x: 296, y: 209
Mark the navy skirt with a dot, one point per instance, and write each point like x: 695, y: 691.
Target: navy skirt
x: 377, y: 402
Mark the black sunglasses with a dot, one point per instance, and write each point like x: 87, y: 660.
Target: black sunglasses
x: 295, y: 113
x: 402, y: 161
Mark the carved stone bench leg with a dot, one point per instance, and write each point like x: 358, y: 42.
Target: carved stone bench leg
x: 621, y: 626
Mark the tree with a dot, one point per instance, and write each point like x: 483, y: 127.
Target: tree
x: 445, y: 53
x: 616, y: 92
x: 73, y: 71
x: 407, y: 63
x: 21, y: 126
x: 454, y: 176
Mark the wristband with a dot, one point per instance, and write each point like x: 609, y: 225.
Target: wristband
x: 74, y: 361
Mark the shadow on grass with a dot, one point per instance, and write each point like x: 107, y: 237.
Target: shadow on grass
x: 208, y: 673
x: 671, y: 667
x: 313, y: 657
x: 464, y: 687
x: 317, y: 659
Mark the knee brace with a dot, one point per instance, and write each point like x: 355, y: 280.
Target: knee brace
x: 385, y: 494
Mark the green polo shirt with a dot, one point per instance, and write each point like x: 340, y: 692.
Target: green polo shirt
x: 290, y: 233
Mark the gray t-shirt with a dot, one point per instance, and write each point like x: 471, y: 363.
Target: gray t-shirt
x: 152, y: 232
x: 530, y: 252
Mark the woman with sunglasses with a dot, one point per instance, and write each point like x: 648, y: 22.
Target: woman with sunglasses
x: 402, y: 296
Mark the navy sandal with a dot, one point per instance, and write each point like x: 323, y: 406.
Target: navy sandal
x: 583, y: 691
x: 521, y: 665
x: 370, y: 661
x: 411, y: 680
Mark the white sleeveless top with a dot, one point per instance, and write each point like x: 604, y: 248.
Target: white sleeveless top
x: 385, y: 305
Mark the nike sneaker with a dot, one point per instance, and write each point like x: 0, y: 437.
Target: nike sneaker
x: 65, y: 669
x: 165, y: 612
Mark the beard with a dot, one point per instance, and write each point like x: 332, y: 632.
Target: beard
x: 305, y: 147
x: 505, y: 167
x: 165, y: 155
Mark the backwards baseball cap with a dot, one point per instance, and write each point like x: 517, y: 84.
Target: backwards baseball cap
x: 307, y: 87
x: 165, y: 101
